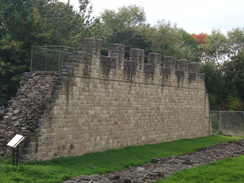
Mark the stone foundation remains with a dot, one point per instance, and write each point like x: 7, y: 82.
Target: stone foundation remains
x: 104, y: 102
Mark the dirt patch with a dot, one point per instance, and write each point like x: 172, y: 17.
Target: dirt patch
x: 161, y: 168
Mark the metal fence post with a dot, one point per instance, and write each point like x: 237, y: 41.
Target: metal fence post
x: 31, y: 69
x: 219, y: 120
x: 59, y: 58
x: 46, y: 62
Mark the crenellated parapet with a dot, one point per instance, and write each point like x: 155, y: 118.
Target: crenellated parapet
x: 92, y: 45
x: 117, y: 51
x: 167, y: 68
x: 193, y: 71
x: 156, y: 69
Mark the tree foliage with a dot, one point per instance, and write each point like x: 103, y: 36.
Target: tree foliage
x: 127, y: 26
x: 121, y: 26
x: 216, y: 47
x: 200, y: 38
x: 123, y: 18
x: 187, y: 47
x: 236, y: 42
x: 234, y: 74
x: 26, y: 23
x: 215, y: 84
x: 222, y: 58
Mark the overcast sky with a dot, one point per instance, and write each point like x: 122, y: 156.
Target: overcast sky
x: 195, y: 16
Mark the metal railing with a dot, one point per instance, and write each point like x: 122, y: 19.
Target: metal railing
x: 49, y: 58
x: 228, y: 122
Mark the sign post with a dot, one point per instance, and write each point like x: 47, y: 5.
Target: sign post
x: 14, y: 143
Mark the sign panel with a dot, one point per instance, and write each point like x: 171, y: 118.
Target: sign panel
x: 16, y: 140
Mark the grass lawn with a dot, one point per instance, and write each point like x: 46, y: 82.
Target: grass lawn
x: 60, y: 169
x: 223, y: 171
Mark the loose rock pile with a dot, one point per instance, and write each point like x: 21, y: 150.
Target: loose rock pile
x: 161, y: 168
x: 25, y: 112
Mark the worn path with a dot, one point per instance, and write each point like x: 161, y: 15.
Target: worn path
x: 161, y: 168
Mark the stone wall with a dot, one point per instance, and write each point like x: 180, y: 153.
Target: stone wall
x: 103, y: 102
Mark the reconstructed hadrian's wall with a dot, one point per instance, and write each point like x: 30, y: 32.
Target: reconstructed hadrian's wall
x: 103, y: 102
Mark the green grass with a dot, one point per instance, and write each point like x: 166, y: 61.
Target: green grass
x: 223, y: 171
x: 60, y: 169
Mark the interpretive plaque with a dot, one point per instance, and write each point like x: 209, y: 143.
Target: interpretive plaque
x: 14, y: 142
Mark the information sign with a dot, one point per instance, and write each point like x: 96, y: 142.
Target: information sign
x: 14, y: 142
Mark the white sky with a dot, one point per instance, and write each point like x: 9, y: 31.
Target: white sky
x: 195, y: 16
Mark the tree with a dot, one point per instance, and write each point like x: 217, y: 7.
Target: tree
x: 29, y: 23
x: 85, y: 10
x: 121, y: 26
x: 119, y: 23
x: 215, y: 47
x: 200, y: 38
x: 216, y: 85
x: 166, y: 38
x: 236, y: 42
x: 123, y: 18
x: 112, y: 22
x: 131, y: 38
x: 15, y: 31
x: 11, y: 68
x: 234, y: 74
x: 66, y: 26
x: 187, y: 47
x: 223, y: 68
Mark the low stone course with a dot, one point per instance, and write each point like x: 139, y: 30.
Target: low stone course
x: 161, y: 168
